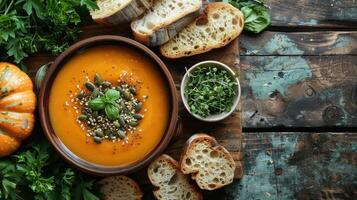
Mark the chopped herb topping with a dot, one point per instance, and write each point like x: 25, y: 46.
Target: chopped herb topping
x: 210, y: 90
x: 108, y: 112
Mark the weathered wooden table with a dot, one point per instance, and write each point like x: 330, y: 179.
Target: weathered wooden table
x: 299, y: 103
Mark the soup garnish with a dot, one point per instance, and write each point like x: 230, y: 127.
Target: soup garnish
x: 108, y: 111
x: 210, y: 90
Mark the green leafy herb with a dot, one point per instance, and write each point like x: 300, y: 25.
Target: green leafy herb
x: 112, y: 112
x: 30, y: 26
x: 210, y: 90
x: 97, y: 104
x: 256, y: 17
x: 107, y: 102
x: 37, y: 172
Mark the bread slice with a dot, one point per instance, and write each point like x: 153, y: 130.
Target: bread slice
x: 119, y: 11
x: 165, y: 174
x: 216, y: 27
x: 120, y: 188
x: 210, y: 164
x: 164, y: 20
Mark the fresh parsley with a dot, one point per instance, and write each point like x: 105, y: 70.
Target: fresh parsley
x: 37, y: 172
x: 210, y: 90
x: 256, y: 17
x: 30, y: 26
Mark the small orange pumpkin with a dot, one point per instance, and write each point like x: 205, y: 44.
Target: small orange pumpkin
x: 17, y: 105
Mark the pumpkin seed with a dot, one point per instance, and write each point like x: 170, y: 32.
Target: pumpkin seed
x: 116, y: 124
x: 97, y: 79
x: 95, y: 93
x: 121, y: 121
x: 133, y: 123
x: 127, y: 95
x: 83, y: 117
x: 90, y: 86
x: 138, y: 116
x: 106, y: 84
x: 98, y: 132
x: 138, y: 106
x: 132, y: 90
x: 121, y: 134
x: 97, y: 140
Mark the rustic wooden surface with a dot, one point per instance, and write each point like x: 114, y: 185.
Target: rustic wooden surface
x: 300, y: 73
x: 313, y: 13
x: 300, y: 79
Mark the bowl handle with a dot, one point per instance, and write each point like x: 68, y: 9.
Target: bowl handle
x: 178, y: 129
x: 41, y: 74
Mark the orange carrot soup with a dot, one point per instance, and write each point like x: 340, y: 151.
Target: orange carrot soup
x: 110, y: 105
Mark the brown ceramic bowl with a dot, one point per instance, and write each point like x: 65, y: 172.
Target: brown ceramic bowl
x: 55, y: 140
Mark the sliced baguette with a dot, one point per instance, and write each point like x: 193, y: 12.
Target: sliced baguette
x: 210, y: 164
x: 115, y: 12
x: 165, y: 174
x: 216, y: 27
x: 164, y: 20
x: 120, y: 188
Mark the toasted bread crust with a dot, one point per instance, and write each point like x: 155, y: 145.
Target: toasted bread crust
x: 197, y: 138
x: 211, y: 7
x: 106, y: 191
x: 126, y: 13
x: 147, y: 38
x: 176, y: 166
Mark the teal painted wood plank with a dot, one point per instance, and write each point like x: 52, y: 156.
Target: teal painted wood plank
x: 299, y: 91
x: 299, y: 43
x: 312, y: 13
x: 288, y: 166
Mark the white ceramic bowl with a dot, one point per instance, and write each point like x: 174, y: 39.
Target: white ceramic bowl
x: 217, y: 117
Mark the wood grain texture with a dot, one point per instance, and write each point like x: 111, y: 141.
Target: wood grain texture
x: 299, y: 43
x: 299, y: 91
x: 312, y: 13
x: 306, y: 166
x: 301, y: 79
x: 227, y: 132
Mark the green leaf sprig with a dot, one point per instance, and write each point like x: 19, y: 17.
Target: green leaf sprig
x: 210, y: 90
x: 30, y: 26
x: 256, y: 17
x: 36, y: 172
x: 107, y: 102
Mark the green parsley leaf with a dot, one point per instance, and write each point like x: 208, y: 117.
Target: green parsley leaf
x: 90, y: 4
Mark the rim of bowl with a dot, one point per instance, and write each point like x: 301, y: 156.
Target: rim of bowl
x: 69, y: 156
x: 212, y: 118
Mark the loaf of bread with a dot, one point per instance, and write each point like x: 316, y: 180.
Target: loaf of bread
x: 216, y: 27
x: 210, y: 164
x: 115, y: 12
x: 165, y: 174
x: 120, y: 188
x: 164, y: 20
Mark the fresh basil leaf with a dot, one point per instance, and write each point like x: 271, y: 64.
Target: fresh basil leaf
x: 112, y: 95
x: 112, y: 112
x: 97, y: 104
x: 256, y: 17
